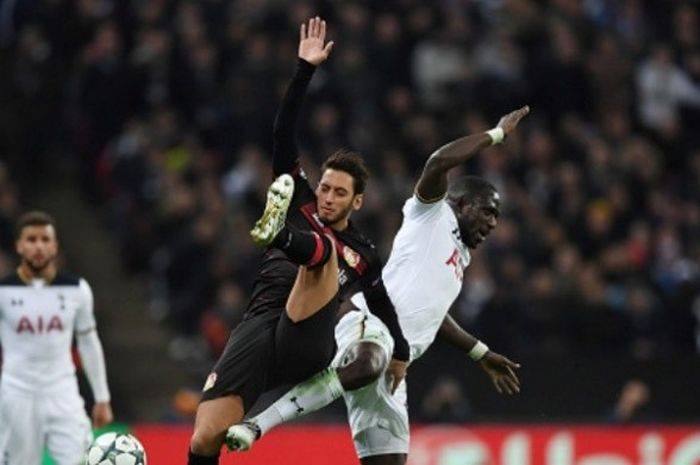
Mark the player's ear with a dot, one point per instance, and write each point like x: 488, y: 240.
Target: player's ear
x: 357, y: 201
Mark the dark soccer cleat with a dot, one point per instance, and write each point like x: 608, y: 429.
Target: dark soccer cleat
x: 272, y: 221
x: 241, y: 436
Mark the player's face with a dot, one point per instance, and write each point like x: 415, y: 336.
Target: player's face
x: 477, y: 218
x: 37, y: 246
x: 336, y: 198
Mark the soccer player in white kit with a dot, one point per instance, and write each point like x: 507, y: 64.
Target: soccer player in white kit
x: 423, y: 277
x: 41, y: 310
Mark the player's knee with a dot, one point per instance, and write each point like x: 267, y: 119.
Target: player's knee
x: 323, y: 253
x: 366, y: 367
x: 206, y: 440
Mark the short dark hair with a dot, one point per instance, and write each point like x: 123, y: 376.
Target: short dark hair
x: 351, y: 163
x: 470, y: 188
x: 33, y: 218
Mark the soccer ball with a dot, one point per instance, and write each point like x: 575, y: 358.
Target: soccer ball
x: 116, y: 449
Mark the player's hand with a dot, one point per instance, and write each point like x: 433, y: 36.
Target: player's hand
x: 312, y: 46
x: 501, y: 371
x: 102, y: 414
x: 396, y: 372
x: 509, y: 122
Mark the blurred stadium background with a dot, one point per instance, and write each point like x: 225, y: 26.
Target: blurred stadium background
x: 144, y: 127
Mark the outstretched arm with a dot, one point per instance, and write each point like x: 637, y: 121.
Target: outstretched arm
x: 312, y: 52
x: 432, y: 184
x: 497, y: 367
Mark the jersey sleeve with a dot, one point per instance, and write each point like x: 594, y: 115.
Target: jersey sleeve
x: 285, y: 150
x: 417, y: 210
x: 379, y: 303
x: 85, y: 315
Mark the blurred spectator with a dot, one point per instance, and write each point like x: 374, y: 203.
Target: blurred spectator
x: 446, y: 402
x: 634, y: 404
x: 663, y: 88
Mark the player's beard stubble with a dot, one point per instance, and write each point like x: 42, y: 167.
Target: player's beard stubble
x: 337, y: 218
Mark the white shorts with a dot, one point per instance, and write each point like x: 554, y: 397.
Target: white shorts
x: 378, y: 419
x: 30, y: 422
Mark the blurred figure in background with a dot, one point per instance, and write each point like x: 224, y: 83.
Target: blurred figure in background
x: 41, y: 310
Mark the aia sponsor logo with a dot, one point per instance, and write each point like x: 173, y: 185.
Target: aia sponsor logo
x: 39, y: 325
x: 457, y: 263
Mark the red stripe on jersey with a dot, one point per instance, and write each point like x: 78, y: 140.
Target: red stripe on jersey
x: 318, y: 253
x: 309, y: 212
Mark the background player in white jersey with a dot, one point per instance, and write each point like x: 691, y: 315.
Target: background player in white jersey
x: 40, y: 311
x: 423, y: 277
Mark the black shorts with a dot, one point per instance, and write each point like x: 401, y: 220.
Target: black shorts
x: 268, y: 349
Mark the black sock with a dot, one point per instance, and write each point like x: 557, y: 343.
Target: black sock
x: 194, y: 459
x: 303, y: 247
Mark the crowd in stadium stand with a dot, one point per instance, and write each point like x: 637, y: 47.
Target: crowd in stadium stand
x: 168, y: 107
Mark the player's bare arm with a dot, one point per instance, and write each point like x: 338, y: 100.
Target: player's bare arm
x: 500, y: 369
x: 312, y: 42
x: 432, y: 184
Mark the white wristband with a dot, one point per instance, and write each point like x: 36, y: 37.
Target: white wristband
x: 496, y: 134
x: 478, y: 351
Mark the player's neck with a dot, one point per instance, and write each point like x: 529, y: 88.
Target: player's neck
x: 341, y: 225
x: 27, y: 274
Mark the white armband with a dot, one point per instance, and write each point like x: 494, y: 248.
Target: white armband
x: 496, y: 134
x: 478, y: 351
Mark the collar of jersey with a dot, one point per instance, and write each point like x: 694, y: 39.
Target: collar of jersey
x: 28, y: 280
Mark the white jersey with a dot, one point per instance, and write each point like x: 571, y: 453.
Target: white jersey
x: 424, y: 273
x: 37, y: 323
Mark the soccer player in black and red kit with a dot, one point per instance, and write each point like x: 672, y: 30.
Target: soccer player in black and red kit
x: 315, y: 257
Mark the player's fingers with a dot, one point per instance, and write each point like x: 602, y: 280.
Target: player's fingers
x: 513, y: 376
x: 497, y: 386
x: 510, y: 363
x: 322, y: 31
x: 515, y: 387
x: 509, y: 387
x: 506, y: 385
x: 329, y: 46
x: 317, y: 26
x: 302, y: 32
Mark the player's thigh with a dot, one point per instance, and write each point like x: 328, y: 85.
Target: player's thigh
x: 313, y: 289
x: 244, y: 368
x: 21, y: 430
x: 68, y: 429
x: 306, y: 347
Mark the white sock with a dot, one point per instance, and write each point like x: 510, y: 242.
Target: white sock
x: 304, y: 398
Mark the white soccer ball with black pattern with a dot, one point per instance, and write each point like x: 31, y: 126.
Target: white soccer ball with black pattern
x: 116, y: 449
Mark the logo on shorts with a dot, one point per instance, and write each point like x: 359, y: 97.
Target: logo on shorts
x: 351, y: 257
x: 211, y: 380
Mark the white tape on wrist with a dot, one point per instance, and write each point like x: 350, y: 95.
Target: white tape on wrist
x: 496, y: 134
x: 478, y: 351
